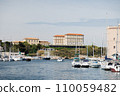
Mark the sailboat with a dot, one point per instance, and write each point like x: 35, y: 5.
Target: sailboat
x: 5, y: 57
x: 10, y: 57
x: 0, y: 52
x: 47, y: 55
x: 76, y: 60
x: 94, y: 61
x: 86, y: 62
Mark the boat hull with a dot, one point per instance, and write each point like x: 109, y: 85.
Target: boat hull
x: 46, y: 58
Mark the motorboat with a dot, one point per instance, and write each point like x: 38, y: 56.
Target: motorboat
x: 17, y: 58
x: 95, y: 63
x: 107, y: 65
x: 60, y: 59
x: 76, y: 62
x: 5, y: 58
x: 116, y: 67
x: 85, y: 63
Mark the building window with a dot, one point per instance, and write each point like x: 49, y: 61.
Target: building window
x: 113, y: 47
x: 114, y: 39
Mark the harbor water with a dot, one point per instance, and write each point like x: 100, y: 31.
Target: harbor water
x: 52, y: 70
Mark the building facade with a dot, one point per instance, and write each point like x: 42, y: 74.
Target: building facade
x: 70, y: 39
x: 113, y: 44
x: 59, y: 40
x: 45, y: 43
x: 32, y: 40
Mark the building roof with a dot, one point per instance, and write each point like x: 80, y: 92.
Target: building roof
x: 59, y: 35
x: 113, y: 27
x: 74, y: 34
x: 31, y: 38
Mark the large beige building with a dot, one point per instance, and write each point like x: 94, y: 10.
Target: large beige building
x: 112, y: 39
x: 59, y: 40
x: 32, y: 40
x: 69, y: 39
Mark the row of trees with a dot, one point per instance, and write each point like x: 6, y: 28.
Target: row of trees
x: 63, y: 52
x: 22, y: 47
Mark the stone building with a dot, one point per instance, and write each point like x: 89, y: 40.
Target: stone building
x: 113, y: 44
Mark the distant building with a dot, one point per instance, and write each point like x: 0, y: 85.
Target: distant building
x: 69, y: 39
x: 16, y: 42
x: 32, y: 40
x: 45, y: 43
x: 112, y: 39
x: 59, y: 40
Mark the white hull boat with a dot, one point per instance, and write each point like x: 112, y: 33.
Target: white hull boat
x: 76, y: 62
x: 116, y: 67
x: 60, y: 59
x: 85, y: 63
x: 95, y: 64
x: 107, y: 65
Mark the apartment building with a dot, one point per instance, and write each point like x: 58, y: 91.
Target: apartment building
x: 32, y: 40
x: 69, y: 39
x: 112, y: 44
x: 59, y: 40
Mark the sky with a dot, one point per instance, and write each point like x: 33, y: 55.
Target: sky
x: 45, y: 18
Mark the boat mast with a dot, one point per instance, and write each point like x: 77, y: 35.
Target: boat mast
x: 87, y: 51
x: 117, y: 41
x: 93, y: 51
x: 102, y: 49
x: 76, y: 46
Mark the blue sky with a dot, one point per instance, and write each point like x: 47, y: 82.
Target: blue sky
x: 44, y: 18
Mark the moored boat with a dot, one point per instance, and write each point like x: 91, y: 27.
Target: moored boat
x: 60, y: 59
x: 107, y: 65
x: 76, y: 62
x: 116, y: 67
x: 95, y: 63
x: 85, y: 63
x: 46, y: 58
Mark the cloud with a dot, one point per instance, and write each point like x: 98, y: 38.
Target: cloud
x: 82, y: 22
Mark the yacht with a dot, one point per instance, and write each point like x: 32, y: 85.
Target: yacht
x: 76, y: 62
x: 85, y: 63
x: 107, y: 65
x: 5, y: 58
x: 116, y: 67
x: 60, y: 59
x: 95, y: 63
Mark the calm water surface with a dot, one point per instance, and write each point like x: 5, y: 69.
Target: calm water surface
x: 52, y: 70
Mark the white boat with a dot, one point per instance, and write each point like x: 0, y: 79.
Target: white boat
x: 116, y: 67
x: 76, y: 62
x: 16, y: 58
x: 95, y: 63
x: 5, y: 58
x: 60, y: 59
x: 107, y: 65
x: 85, y: 63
